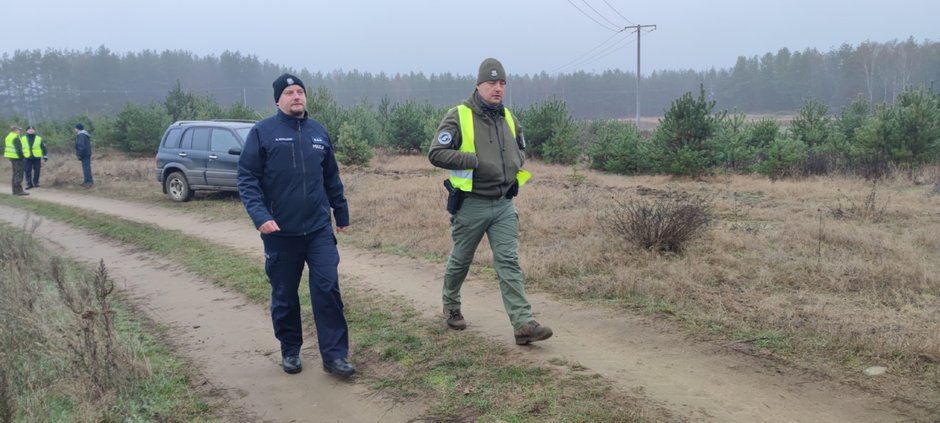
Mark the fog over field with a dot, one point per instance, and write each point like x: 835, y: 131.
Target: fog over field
x: 529, y: 36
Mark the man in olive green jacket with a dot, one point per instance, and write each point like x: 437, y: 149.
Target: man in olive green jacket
x: 481, y: 143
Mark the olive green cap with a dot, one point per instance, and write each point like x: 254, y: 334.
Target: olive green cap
x: 491, y: 70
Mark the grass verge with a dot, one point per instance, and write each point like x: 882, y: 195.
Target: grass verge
x: 69, y: 352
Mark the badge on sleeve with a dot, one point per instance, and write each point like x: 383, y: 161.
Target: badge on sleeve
x: 444, y: 138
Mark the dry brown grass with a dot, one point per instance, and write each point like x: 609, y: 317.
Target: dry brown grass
x: 806, y: 260
x: 840, y: 270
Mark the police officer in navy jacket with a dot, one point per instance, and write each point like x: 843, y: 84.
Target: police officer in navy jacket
x: 288, y: 180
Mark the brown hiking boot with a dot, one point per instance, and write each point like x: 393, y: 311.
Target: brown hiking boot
x: 531, y: 332
x: 455, y: 319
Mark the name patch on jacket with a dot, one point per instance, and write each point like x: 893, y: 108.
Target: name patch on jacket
x: 288, y: 139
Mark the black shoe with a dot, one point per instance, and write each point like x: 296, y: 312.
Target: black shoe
x: 455, y: 319
x: 340, y: 367
x: 36, y: 186
x: 291, y: 364
x: 29, y: 187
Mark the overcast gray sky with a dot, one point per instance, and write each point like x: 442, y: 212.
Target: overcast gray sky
x: 528, y: 36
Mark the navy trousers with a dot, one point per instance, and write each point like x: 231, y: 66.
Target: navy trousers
x: 33, y: 167
x: 285, y: 257
x: 86, y: 170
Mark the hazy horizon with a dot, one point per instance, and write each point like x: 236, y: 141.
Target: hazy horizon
x: 528, y: 36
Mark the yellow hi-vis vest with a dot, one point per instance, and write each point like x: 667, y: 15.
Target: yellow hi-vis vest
x: 9, y: 151
x: 36, y: 151
x: 463, y: 179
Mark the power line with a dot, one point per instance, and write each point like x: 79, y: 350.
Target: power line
x: 592, y: 18
x: 599, y: 13
x: 618, y: 13
x: 575, y: 60
x: 605, y: 52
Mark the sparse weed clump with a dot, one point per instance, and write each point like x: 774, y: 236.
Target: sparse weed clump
x: 869, y: 209
x: 665, y: 223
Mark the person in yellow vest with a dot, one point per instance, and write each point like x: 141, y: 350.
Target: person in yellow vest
x: 482, y: 145
x: 13, y: 149
x: 35, y: 150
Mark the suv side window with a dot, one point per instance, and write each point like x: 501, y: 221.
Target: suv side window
x: 201, y: 138
x: 187, y: 142
x: 172, y: 138
x: 223, y: 140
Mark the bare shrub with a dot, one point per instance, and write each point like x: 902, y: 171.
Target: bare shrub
x: 665, y: 223
x: 92, y: 306
x: 869, y: 209
x: 818, y: 164
x: 874, y: 170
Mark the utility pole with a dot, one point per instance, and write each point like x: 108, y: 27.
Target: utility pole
x: 639, y: 30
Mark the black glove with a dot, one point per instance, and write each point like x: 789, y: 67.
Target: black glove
x: 45, y: 158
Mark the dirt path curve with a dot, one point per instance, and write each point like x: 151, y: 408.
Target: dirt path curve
x: 701, y: 381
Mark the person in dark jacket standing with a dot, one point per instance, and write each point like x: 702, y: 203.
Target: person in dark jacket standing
x: 83, y: 152
x: 482, y: 145
x: 288, y: 180
x: 13, y: 150
x: 35, y: 149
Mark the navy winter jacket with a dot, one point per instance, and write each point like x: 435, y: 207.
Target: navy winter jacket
x: 83, y: 145
x: 288, y: 172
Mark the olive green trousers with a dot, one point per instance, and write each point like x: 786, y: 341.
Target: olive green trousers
x: 499, y: 220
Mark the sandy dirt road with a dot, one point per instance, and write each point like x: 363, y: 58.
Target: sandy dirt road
x: 698, y: 381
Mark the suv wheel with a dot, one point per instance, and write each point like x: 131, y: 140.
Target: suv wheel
x: 177, y: 188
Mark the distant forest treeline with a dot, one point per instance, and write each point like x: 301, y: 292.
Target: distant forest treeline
x: 53, y: 84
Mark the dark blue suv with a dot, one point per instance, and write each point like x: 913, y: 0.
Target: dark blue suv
x: 200, y: 155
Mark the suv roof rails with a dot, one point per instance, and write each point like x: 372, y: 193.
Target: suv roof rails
x: 184, y: 122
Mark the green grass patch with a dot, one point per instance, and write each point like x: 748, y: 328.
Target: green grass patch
x: 166, y: 395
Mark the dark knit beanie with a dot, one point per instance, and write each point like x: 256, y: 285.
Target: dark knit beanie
x: 283, y: 82
x: 491, y: 70
x: 79, y: 126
